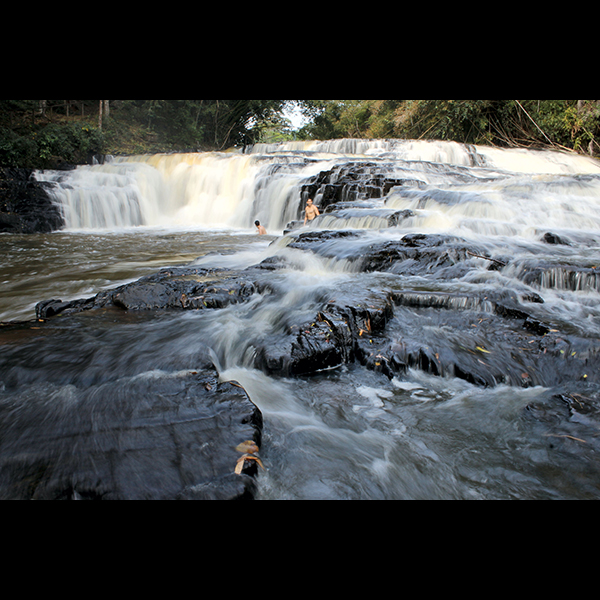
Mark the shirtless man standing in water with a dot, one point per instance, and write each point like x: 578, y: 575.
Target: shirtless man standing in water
x: 312, y: 212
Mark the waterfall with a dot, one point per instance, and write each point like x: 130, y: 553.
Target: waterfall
x: 232, y: 190
x: 515, y: 160
x: 181, y: 190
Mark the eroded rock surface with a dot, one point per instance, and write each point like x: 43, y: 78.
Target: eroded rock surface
x: 118, y: 431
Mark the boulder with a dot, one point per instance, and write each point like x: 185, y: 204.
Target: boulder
x: 552, y: 238
x: 352, y: 182
x: 25, y: 205
x: 418, y: 254
x: 340, y: 333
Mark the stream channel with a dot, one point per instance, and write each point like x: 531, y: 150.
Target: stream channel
x: 466, y: 277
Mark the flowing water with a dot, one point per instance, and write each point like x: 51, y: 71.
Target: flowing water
x: 347, y: 433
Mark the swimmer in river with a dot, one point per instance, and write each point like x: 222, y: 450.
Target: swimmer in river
x: 312, y: 212
x: 261, y: 229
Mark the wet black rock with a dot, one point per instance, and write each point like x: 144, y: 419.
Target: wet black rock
x: 353, y: 182
x: 341, y: 333
x: 177, y: 288
x: 25, y: 206
x: 440, y: 256
x: 350, y: 205
x: 291, y: 226
x: 487, y: 337
x: 124, y: 433
x: 552, y: 238
x: 416, y: 254
x: 375, y: 217
x: 150, y: 436
x: 316, y: 241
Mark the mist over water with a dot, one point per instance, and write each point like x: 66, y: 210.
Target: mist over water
x: 344, y: 433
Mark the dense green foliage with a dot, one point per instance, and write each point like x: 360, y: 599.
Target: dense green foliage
x: 567, y: 124
x: 71, y: 143
x: 44, y: 133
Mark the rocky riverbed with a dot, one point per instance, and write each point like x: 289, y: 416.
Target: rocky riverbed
x: 487, y: 338
x: 503, y: 336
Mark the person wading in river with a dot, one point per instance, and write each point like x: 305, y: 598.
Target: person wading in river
x: 261, y: 229
x: 312, y: 212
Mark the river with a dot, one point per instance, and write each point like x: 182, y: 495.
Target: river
x: 345, y: 433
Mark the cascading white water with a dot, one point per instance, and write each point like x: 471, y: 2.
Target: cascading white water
x: 108, y: 196
x: 234, y: 189
x: 504, y: 200
x: 516, y: 206
x: 181, y: 190
x: 514, y: 160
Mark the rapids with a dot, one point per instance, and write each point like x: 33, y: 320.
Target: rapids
x: 347, y: 432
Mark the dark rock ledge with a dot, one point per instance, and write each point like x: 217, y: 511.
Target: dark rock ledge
x: 122, y: 437
x: 140, y: 438
x: 185, y: 288
x: 25, y: 205
x: 496, y: 336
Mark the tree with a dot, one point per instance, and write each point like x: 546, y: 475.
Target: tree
x: 214, y: 124
x: 103, y: 112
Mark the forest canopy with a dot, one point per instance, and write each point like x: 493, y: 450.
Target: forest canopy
x: 559, y: 124
x: 46, y: 133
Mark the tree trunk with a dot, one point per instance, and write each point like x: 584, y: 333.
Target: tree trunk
x: 100, y: 115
